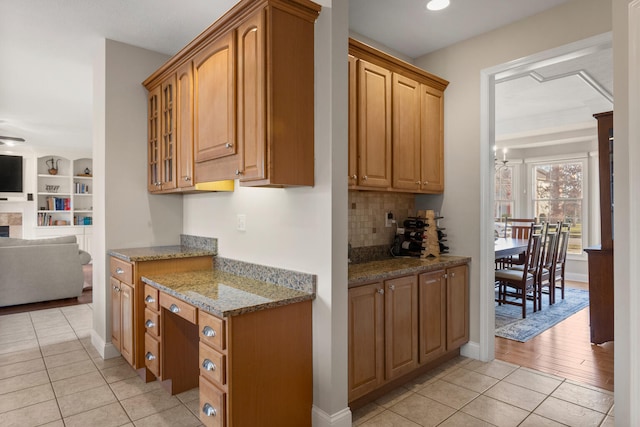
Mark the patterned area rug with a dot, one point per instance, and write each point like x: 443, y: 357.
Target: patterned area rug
x: 510, y: 325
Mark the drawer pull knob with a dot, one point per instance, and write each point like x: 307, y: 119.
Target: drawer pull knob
x: 119, y: 270
x: 149, y: 356
x: 209, y: 410
x: 149, y: 299
x: 208, y: 365
x: 208, y: 331
x: 149, y: 324
x: 174, y: 308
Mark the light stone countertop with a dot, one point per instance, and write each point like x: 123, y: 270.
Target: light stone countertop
x: 159, y: 252
x: 224, y: 294
x: 366, y: 272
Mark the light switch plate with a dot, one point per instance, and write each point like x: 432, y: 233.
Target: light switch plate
x: 241, y: 224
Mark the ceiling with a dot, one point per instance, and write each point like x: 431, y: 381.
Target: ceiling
x: 48, y: 47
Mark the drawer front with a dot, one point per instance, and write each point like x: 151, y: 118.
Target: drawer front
x: 212, y: 330
x: 213, y: 411
x: 121, y: 270
x: 152, y: 323
x: 212, y: 364
x: 152, y: 354
x: 151, y: 297
x: 181, y: 308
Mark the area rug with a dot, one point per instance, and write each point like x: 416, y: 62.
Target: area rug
x: 511, y: 325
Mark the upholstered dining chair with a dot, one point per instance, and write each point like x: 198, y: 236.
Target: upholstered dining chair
x: 522, y: 280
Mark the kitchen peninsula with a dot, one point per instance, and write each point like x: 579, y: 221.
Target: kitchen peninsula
x: 240, y: 332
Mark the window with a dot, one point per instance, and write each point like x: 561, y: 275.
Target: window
x: 504, y: 197
x: 558, y: 196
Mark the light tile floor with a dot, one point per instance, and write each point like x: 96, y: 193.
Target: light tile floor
x: 51, y: 375
x: 467, y: 392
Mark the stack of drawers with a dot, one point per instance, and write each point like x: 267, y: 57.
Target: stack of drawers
x: 152, y: 331
x: 213, y: 370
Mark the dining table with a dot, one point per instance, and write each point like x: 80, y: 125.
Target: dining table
x: 507, y: 246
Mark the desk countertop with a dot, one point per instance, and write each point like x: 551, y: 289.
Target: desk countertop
x: 158, y: 252
x: 224, y: 294
x: 380, y: 270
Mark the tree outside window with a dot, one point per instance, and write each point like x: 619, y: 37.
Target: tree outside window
x: 504, y: 203
x: 558, y: 193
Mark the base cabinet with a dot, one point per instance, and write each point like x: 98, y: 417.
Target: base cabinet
x: 404, y: 323
x: 122, y: 313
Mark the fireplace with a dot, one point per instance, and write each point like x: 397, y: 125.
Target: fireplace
x: 11, y: 224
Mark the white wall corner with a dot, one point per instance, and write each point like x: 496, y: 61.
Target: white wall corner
x: 577, y: 277
x: 471, y: 350
x: 339, y: 419
x: 105, y: 349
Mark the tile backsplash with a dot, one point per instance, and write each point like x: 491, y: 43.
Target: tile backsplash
x: 367, y: 210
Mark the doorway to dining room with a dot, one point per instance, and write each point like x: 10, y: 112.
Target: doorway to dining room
x: 524, y: 128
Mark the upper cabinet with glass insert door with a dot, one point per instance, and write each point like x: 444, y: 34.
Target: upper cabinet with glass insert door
x: 396, y: 120
x: 243, y: 103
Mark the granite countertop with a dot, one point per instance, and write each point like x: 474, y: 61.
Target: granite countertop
x: 159, y: 252
x: 384, y: 269
x: 224, y: 294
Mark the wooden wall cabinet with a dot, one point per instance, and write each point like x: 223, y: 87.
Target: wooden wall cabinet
x: 161, y: 169
x: 405, y: 323
x: 396, y: 121
x: 252, y: 97
x: 122, y: 311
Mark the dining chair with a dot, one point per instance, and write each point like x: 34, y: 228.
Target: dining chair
x: 561, y: 259
x: 520, y: 227
x: 546, y: 267
x: 522, y: 280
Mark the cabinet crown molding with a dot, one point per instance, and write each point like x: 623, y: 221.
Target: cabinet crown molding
x: 304, y: 9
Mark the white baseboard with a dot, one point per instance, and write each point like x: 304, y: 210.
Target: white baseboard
x: 321, y: 419
x: 471, y: 350
x: 105, y: 349
x: 576, y: 277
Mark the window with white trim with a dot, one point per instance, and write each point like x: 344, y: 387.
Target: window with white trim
x: 558, y: 195
x: 504, y: 201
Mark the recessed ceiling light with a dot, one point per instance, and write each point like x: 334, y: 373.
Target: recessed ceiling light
x: 437, y: 4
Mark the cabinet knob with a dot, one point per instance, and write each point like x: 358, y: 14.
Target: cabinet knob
x: 119, y: 270
x: 381, y: 291
x: 174, y: 308
x: 446, y: 276
x: 238, y: 172
x: 149, y: 356
x: 186, y: 178
x: 365, y: 177
x: 418, y: 182
x: 209, y: 410
x: 208, y: 365
x: 228, y: 145
x: 425, y: 183
x: 453, y: 275
x: 149, y: 324
x: 208, y: 331
x: 354, y: 176
x: 392, y: 287
x: 149, y: 299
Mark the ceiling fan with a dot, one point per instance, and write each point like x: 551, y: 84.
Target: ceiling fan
x: 11, y: 140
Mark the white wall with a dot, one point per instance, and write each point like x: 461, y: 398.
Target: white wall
x: 125, y: 215
x: 302, y: 229
x: 461, y: 64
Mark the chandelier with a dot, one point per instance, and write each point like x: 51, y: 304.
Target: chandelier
x: 499, y: 164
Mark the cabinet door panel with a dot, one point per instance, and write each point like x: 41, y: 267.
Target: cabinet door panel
x: 374, y: 125
x: 366, y: 339
x: 214, y: 100
x: 401, y: 326
x: 168, y: 133
x: 432, y: 135
x: 406, y: 133
x: 251, y: 98
x: 457, y: 307
x: 116, y: 316
x: 353, y: 124
x: 127, y: 348
x: 184, y: 124
x: 153, y: 140
x: 433, y: 315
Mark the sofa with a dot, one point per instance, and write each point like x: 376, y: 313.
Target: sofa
x: 40, y: 269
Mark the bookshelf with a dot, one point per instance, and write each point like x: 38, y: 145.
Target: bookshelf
x: 64, y: 192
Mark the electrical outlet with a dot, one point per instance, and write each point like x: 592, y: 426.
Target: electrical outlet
x: 241, y: 224
x: 388, y: 219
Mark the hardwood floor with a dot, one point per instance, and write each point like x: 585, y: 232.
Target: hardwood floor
x: 564, y: 350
